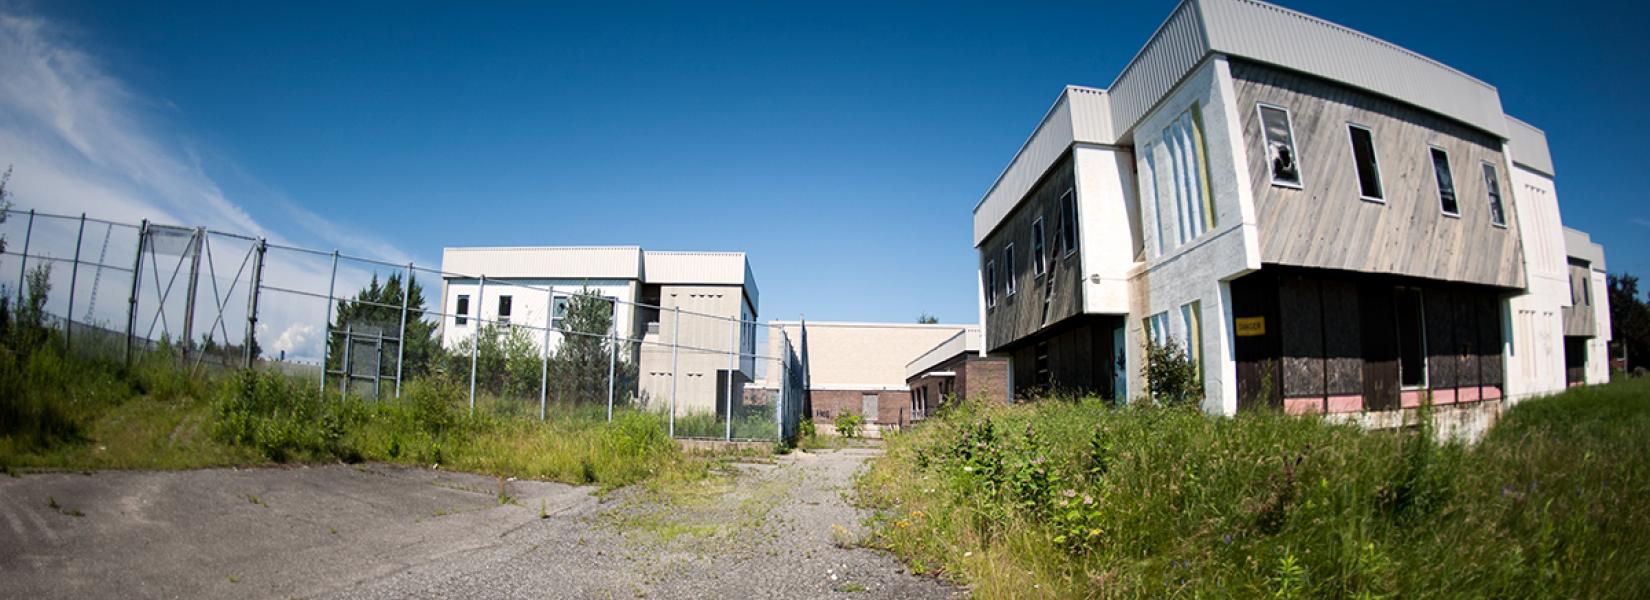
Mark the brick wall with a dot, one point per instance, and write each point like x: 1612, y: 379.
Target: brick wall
x: 893, y: 407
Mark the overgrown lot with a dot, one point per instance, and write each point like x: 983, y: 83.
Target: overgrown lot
x: 1066, y: 498
x: 68, y: 413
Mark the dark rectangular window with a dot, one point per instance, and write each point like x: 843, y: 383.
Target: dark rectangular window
x: 1492, y: 182
x: 1280, y: 145
x: 1412, y: 343
x: 463, y: 311
x: 990, y: 284
x: 504, y: 310
x: 1039, y: 261
x: 1068, y: 224
x: 1446, y: 182
x: 1009, y: 275
x: 1364, y: 159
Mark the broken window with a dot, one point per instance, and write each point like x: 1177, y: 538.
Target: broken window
x: 1280, y: 145
x: 1446, y: 182
x: 1492, y: 182
x: 1366, y: 163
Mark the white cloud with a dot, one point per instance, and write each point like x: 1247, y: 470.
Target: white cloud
x: 80, y: 140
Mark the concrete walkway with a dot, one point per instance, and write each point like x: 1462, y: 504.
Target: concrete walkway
x: 375, y: 531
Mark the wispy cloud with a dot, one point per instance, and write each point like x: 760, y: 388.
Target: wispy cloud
x: 80, y: 140
x: 1642, y: 222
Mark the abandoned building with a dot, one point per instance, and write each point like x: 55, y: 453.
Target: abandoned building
x: 1324, y: 221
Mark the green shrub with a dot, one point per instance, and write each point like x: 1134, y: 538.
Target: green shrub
x: 847, y: 424
x: 1172, y: 378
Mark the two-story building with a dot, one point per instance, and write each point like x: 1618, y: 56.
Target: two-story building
x: 1322, y: 220
x: 714, y: 293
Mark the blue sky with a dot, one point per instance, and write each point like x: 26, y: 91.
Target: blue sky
x: 841, y: 144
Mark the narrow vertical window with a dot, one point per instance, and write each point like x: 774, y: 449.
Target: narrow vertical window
x: 463, y: 311
x: 1039, y: 260
x: 504, y: 303
x: 990, y: 284
x: 1492, y: 183
x: 1412, y: 342
x: 1010, y: 283
x: 1279, y: 133
x: 1068, y: 224
x: 1191, y: 317
x: 1205, y: 191
x: 1446, y: 182
x: 1364, y: 160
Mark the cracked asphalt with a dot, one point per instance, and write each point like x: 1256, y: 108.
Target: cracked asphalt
x: 780, y: 530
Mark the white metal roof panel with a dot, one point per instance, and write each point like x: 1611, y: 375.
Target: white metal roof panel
x: 1529, y: 147
x: 555, y: 262
x: 965, y: 341
x: 699, y: 268
x: 1079, y: 114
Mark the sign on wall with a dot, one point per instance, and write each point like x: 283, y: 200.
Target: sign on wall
x: 1251, y: 326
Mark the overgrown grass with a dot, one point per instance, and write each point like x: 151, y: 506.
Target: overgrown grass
x: 1074, y: 499
x: 68, y: 413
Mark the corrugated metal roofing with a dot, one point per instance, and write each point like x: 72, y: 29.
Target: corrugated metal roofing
x: 562, y: 262
x: 703, y: 268
x: 603, y: 262
x: 1256, y: 31
x: 1529, y: 147
x: 1079, y: 114
x: 968, y: 340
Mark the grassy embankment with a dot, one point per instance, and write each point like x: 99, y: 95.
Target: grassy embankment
x: 1076, y: 499
x: 58, y: 412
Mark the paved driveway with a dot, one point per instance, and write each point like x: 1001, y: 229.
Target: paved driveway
x: 377, y: 531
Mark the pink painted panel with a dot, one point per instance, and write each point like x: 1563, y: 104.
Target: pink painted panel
x: 1341, y: 404
x: 1492, y: 392
x: 1469, y: 394
x: 1410, y: 399
x: 1302, y: 406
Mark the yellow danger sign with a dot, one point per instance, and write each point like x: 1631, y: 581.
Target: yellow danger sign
x: 1251, y: 326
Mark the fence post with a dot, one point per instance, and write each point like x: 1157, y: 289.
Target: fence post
x: 784, y: 393
x: 137, y: 277
x: 74, y: 277
x: 401, y: 341
x: 198, y: 241
x: 475, y: 341
x: 544, y: 371
x: 733, y: 363
x: 378, y: 368
x: 344, y: 371
x: 612, y: 361
x: 252, y: 297
x: 326, y: 339
x: 675, y: 345
x: 23, y: 260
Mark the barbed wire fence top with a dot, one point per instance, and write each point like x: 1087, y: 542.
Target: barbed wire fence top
x: 364, y: 328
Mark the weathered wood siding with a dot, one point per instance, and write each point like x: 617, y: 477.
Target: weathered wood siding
x: 1325, y: 224
x: 1578, y: 317
x: 1021, y: 315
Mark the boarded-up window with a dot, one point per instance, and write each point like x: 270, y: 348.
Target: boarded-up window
x: 1367, y: 164
x: 868, y: 407
x: 1279, y: 133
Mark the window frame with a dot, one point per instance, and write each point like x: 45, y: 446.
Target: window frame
x: 1438, y: 186
x: 1039, y: 249
x: 1426, y: 353
x: 1068, y: 223
x: 1009, y: 284
x: 1191, y: 318
x: 461, y: 311
x: 990, y: 284
x: 565, y: 300
x: 1266, y: 145
x: 1497, y: 200
x: 506, y: 306
x: 1374, y: 160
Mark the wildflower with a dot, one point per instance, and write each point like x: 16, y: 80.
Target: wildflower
x: 968, y: 469
x: 1087, y: 499
x: 1069, y: 493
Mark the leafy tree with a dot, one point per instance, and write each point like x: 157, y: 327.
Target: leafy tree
x: 1630, y: 320
x: 578, y: 369
x: 379, y: 306
x: 927, y: 319
x: 507, y: 362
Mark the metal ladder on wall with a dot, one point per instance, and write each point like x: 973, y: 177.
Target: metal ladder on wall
x: 1048, y: 291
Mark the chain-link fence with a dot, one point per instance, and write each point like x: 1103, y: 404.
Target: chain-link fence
x: 366, y: 329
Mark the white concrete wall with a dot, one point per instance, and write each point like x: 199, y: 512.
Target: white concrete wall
x: 1200, y: 269
x: 1109, y: 211
x: 1598, y: 348
x: 528, y: 306
x: 1535, y: 344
